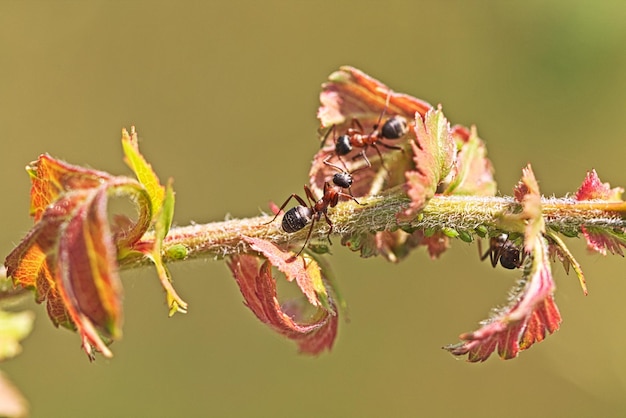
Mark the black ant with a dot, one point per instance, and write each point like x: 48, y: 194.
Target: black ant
x: 394, y: 128
x: 299, y: 216
x: 502, y: 249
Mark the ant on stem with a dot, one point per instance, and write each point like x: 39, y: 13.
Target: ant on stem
x: 502, y: 249
x: 299, y: 216
x: 394, y: 128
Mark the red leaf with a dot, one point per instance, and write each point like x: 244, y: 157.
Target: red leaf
x: 544, y: 320
x: 308, y: 278
x: 352, y: 96
x: 69, y: 256
x: 86, y: 272
x: 592, y: 189
x: 258, y: 288
x: 434, y: 154
x: 600, y: 240
x: 32, y: 263
x: 51, y: 178
x: 530, y: 317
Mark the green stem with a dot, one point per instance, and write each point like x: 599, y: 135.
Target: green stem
x: 220, y: 239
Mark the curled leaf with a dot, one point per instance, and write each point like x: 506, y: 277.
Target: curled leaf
x: 70, y: 255
x: 308, y: 278
x: 352, y: 94
x: 258, y: 288
x: 530, y: 316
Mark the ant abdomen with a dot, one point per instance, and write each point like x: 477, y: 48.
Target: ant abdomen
x: 394, y: 128
x: 343, y: 145
x: 296, y: 219
x: 503, y: 250
x: 510, y: 257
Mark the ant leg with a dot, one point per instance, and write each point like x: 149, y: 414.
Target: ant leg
x: 382, y: 114
x: 362, y: 155
x: 310, y: 197
x: 488, y: 253
x: 480, y: 250
x: 345, y: 170
x: 336, y: 167
x: 327, y: 134
x: 356, y: 125
x: 306, y: 240
x: 330, y: 230
x: 391, y: 146
x: 494, y: 257
x: 380, y: 155
x: 350, y: 197
x: 293, y: 196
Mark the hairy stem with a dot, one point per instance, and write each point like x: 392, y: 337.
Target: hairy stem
x: 220, y: 239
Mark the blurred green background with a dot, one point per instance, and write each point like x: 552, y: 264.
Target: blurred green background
x: 224, y: 96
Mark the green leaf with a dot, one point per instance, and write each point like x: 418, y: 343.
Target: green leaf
x: 142, y: 169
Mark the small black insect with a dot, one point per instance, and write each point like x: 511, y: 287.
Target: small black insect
x: 394, y: 128
x: 300, y: 216
x: 502, y: 249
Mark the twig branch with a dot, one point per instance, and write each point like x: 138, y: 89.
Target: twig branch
x: 220, y: 239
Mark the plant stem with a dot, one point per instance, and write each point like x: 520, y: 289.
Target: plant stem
x: 219, y: 239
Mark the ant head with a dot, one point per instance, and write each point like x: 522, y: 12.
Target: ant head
x: 343, y: 180
x: 342, y: 145
x: 394, y: 128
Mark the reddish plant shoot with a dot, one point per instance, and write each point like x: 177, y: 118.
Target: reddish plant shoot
x: 434, y: 185
x: 70, y: 256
